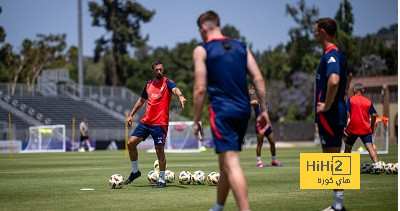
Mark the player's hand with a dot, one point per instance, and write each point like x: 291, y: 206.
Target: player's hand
x: 263, y: 121
x: 345, y: 132
x: 182, y: 100
x: 321, y: 107
x: 198, y: 131
x: 129, y: 120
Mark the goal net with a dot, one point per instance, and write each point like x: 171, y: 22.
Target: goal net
x: 46, y: 138
x: 380, y: 138
x: 180, y: 138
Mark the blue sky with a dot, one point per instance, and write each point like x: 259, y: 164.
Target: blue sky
x: 263, y: 22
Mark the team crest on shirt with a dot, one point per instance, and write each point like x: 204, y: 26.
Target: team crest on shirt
x: 331, y: 60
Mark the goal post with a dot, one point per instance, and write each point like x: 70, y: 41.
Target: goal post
x: 380, y: 138
x: 46, y: 138
x: 180, y: 138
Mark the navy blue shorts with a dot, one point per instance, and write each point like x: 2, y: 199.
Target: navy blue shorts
x: 159, y: 133
x: 330, y: 135
x: 228, y: 133
x: 353, y: 138
x: 267, y: 132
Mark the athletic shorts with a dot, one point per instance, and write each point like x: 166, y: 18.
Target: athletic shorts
x: 83, y: 138
x: 352, y: 138
x: 267, y: 132
x: 228, y: 133
x: 159, y: 133
x: 331, y: 136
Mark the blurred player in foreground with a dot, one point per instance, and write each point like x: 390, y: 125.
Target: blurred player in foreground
x: 360, y: 109
x: 331, y: 84
x: 221, y: 65
x: 255, y: 103
x: 158, y: 93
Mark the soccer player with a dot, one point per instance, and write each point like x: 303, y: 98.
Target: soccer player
x: 360, y: 109
x: 255, y: 103
x: 84, y: 129
x: 331, y: 83
x: 221, y: 64
x: 158, y: 93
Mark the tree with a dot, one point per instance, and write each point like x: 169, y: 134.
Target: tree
x: 36, y: 55
x: 301, y: 41
x: 372, y: 65
x: 344, y: 35
x: 122, y: 21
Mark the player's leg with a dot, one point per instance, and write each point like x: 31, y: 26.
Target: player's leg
x: 349, y: 142
x: 139, y: 134
x: 260, y: 140
x: 271, y: 139
x: 159, y: 134
x: 367, y: 140
x: 81, y: 149
x: 331, y: 140
x: 90, y: 148
x: 232, y: 171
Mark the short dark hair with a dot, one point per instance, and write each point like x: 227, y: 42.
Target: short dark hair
x: 208, y: 16
x: 327, y: 24
x: 358, y: 87
x: 155, y: 63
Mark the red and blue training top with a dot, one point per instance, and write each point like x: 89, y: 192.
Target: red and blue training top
x: 359, y: 108
x: 332, y: 62
x: 158, y: 95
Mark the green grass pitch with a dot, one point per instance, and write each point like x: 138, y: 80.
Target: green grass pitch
x: 52, y: 181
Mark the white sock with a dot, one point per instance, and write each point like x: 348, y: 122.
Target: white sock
x: 258, y: 158
x: 376, y: 165
x: 338, y: 201
x: 134, y: 166
x: 218, y: 207
x: 273, y: 158
x: 162, y: 177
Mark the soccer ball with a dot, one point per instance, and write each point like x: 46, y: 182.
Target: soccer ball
x: 212, y: 178
x: 382, y: 165
x: 185, y: 178
x: 198, y: 178
x: 156, y: 165
x: 153, y: 176
x: 395, y: 168
x: 116, y: 181
x: 169, y: 176
x: 389, y: 168
x: 365, y: 168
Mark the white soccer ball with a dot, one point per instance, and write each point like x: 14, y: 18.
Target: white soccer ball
x: 156, y: 165
x: 379, y: 169
x: 198, y: 178
x: 395, y: 168
x: 169, y: 176
x: 185, y: 178
x: 212, y: 178
x: 390, y: 168
x: 365, y: 168
x: 116, y: 181
x: 153, y: 176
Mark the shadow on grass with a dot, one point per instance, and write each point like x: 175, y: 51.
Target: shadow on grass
x: 151, y: 185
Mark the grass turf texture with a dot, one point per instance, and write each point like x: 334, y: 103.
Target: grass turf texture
x: 53, y: 181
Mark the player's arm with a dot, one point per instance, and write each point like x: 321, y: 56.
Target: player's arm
x: 178, y: 93
x: 261, y: 91
x: 139, y: 103
x: 373, y: 114
x: 200, y: 87
x: 332, y: 88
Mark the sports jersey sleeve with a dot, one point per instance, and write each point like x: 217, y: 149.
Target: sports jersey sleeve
x: 144, y: 93
x: 348, y: 105
x: 332, y: 63
x: 372, y: 110
x: 170, y: 84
